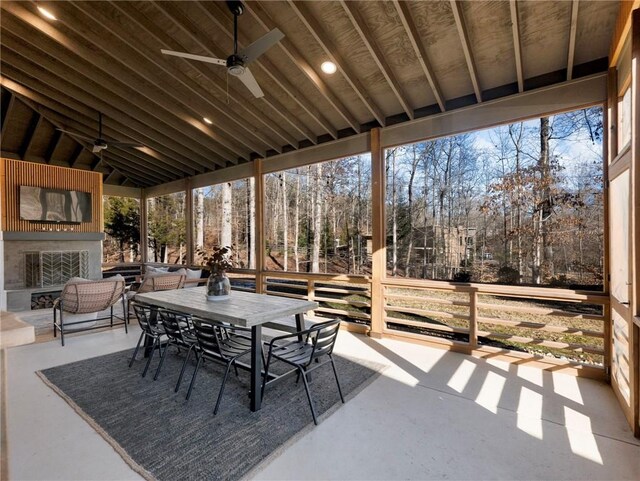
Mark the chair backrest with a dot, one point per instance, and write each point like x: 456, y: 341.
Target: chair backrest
x: 323, y: 338
x: 84, y: 296
x: 175, y: 323
x: 162, y: 282
x: 146, y: 315
x: 208, y: 335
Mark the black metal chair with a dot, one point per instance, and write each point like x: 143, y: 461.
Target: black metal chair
x: 148, y: 319
x: 179, y: 331
x: 301, y: 349
x: 219, y: 342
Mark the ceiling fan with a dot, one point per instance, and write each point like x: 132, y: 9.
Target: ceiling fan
x: 237, y: 63
x: 99, y: 144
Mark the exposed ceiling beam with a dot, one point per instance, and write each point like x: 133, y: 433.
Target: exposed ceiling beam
x: 263, y: 18
x: 572, y: 38
x: 245, y: 108
x: 53, y: 145
x: 6, y: 111
x: 219, y: 17
x: 77, y: 152
x: 89, y: 22
x: 517, y: 45
x: 109, y: 176
x: 293, y: 91
x: 406, y: 18
x: 314, y: 27
x: 36, y: 120
x: 456, y: 7
x: 138, y: 114
x: 137, y: 86
x: 44, y: 95
x: 133, y: 163
x: 75, y: 155
x: 235, y: 125
x: 376, y: 53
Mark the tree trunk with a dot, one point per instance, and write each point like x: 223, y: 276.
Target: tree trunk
x: 227, y: 212
x: 252, y: 223
x: 296, y: 228
x: 317, y: 218
x: 285, y: 222
x: 394, y: 215
x: 198, y: 208
x: 414, y: 166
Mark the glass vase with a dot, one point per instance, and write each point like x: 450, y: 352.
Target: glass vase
x: 218, y: 286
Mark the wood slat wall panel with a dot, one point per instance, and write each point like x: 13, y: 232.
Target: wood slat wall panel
x: 14, y: 173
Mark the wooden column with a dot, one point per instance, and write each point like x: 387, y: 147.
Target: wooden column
x: 610, y: 139
x: 259, y: 220
x: 379, y: 257
x: 188, y: 218
x: 634, y: 208
x: 144, y: 229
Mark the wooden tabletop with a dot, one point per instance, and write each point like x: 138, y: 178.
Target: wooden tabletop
x: 242, y: 308
x: 14, y: 331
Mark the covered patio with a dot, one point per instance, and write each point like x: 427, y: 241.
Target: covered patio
x: 455, y: 181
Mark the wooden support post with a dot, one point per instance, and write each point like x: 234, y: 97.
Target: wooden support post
x: 188, y: 217
x: 311, y: 293
x: 634, y: 210
x: 610, y: 140
x: 379, y: 257
x: 259, y: 220
x: 473, y: 319
x: 144, y: 228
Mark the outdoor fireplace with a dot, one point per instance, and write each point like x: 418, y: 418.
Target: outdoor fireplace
x: 54, y: 268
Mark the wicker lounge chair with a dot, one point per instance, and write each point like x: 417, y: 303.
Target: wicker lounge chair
x: 83, y: 296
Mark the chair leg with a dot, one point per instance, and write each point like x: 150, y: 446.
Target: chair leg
x: 135, y: 353
x: 61, y: 328
x: 224, y: 381
x: 195, y: 372
x: 306, y: 387
x: 55, y: 319
x: 153, y: 350
x: 163, y: 354
x: 111, y: 317
x: 335, y: 373
x: 184, y: 366
x: 266, y: 374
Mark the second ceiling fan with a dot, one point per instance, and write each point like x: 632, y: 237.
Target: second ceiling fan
x: 237, y: 63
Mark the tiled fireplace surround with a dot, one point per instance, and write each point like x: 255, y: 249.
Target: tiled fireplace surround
x: 76, y: 254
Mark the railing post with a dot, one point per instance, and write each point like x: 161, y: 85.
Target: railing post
x: 259, y: 220
x: 473, y: 319
x: 379, y: 257
x: 311, y: 293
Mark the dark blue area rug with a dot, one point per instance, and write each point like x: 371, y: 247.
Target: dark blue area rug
x: 162, y: 436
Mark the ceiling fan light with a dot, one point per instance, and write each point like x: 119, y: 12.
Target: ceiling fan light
x: 328, y: 67
x: 46, y: 13
x: 207, y: 121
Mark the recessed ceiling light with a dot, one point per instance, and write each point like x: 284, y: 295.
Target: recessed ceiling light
x: 207, y: 121
x: 46, y: 13
x: 328, y: 67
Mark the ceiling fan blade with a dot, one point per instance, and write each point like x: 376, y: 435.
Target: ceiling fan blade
x: 200, y: 58
x: 261, y: 45
x: 76, y: 134
x: 249, y: 81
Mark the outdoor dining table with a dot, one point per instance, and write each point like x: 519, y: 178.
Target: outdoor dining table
x: 245, y: 309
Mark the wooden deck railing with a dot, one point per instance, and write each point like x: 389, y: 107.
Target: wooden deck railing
x: 558, y: 329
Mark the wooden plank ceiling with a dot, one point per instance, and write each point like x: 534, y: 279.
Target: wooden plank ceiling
x: 396, y: 61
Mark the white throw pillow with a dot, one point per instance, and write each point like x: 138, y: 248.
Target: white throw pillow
x: 193, y: 274
x: 151, y: 271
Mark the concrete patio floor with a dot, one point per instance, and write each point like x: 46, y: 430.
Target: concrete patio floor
x: 432, y: 414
